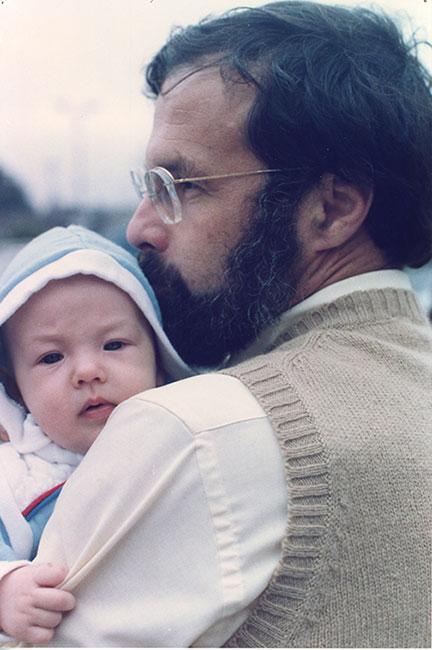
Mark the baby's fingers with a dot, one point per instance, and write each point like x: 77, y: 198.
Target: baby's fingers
x: 45, y: 618
x: 54, y: 600
x: 37, y: 635
x: 48, y: 575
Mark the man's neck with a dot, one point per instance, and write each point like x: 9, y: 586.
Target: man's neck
x: 357, y: 256
x: 369, y: 281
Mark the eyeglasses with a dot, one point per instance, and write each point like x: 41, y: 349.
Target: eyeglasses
x: 160, y: 185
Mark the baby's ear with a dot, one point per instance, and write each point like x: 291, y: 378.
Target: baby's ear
x: 4, y: 436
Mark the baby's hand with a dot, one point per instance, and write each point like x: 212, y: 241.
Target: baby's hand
x: 4, y: 436
x: 30, y: 604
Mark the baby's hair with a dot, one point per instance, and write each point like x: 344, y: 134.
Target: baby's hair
x: 4, y: 361
x: 7, y: 377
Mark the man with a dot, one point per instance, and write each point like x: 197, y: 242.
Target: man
x: 284, y: 500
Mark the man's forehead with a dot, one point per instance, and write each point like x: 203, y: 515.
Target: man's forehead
x: 186, y: 74
x: 199, y: 118
x: 203, y: 90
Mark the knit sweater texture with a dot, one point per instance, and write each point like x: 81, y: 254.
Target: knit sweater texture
x: 348, y: 389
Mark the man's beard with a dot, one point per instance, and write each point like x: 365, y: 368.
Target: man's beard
x: 257, y: 286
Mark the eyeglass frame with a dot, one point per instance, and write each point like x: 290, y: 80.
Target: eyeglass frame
x: 139, y: 179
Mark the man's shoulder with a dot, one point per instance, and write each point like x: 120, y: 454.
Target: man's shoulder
x: 203, y: 402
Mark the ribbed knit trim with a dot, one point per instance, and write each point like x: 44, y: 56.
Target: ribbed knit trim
x: 355, y: 309
x: 281, y: 609
x: 306, y: 468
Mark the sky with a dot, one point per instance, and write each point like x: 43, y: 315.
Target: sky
x: 73, y: 119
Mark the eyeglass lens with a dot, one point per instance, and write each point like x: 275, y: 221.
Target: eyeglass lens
x: 159, y: 193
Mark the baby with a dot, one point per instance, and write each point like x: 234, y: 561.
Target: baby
x: 79, y: 324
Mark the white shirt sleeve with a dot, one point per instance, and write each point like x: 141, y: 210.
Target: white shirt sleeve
x: 171, y: 527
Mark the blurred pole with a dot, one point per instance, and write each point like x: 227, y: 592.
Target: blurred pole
x: 52, y: 178
x: 77, y: 114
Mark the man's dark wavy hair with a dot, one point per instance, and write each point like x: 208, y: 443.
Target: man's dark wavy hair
x: 338, y: 91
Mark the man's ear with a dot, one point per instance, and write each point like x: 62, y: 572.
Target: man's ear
x: 332, y: 213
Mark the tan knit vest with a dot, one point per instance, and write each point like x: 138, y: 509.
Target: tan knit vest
x: 348, y: 390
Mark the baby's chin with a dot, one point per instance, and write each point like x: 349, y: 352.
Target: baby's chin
x: 82, y: 446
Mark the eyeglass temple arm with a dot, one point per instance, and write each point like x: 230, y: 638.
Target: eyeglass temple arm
x: 231, y: 175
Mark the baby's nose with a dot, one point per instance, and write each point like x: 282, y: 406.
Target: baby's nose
x: 87, y: 371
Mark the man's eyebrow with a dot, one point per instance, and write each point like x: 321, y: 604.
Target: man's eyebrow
x: 181, y: 167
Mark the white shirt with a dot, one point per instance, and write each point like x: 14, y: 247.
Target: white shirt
x: 171, y: 526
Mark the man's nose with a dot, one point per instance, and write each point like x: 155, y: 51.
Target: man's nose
x: 146, y: 229
x: 88, y: 370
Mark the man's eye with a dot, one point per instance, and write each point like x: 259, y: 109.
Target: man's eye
x: 190, y: 186
x: 52, y: 357
x: 183, y: 188
x: 113, y: 345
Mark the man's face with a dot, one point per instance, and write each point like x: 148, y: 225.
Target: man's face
x: 210, y: 271
x: 198, y: 131
x: 78, y: 348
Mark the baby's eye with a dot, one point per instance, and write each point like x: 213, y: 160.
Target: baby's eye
x: 113, y: 345
x: 51, y: 357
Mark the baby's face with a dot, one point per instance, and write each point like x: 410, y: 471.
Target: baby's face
x: 78, y: 348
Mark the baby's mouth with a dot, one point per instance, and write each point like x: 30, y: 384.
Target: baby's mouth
x: 97, y: 409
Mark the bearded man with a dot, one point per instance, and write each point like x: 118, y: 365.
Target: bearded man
x: 282, y: 499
